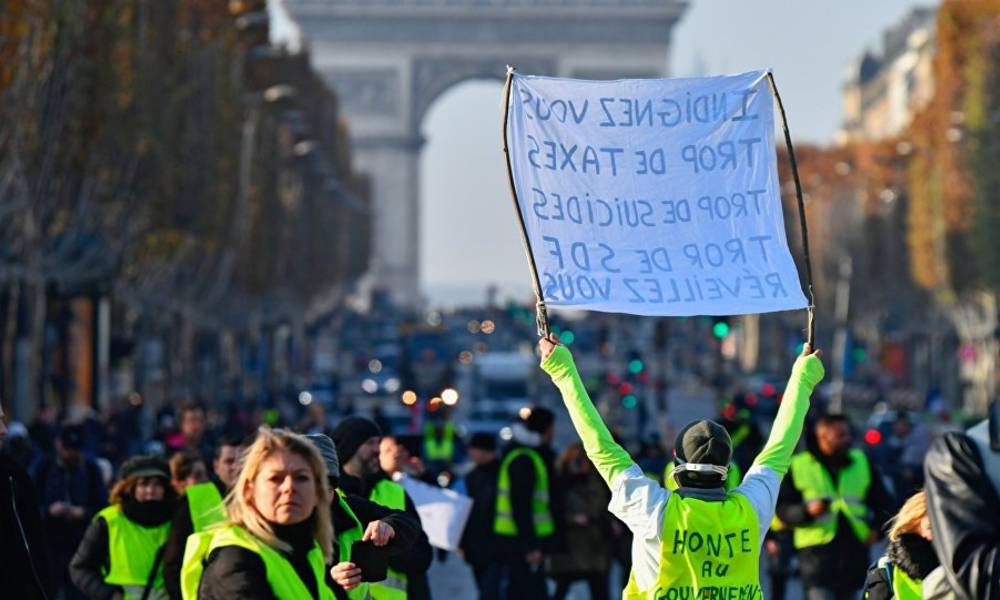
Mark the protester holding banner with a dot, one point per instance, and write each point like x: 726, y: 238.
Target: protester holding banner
x: 700, y: 540
x: 357, y: 442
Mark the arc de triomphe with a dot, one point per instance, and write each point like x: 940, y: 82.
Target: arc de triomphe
x: 389, y: 60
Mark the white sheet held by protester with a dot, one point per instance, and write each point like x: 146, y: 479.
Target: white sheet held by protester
x: 653, y: 197
x: 443, y: 513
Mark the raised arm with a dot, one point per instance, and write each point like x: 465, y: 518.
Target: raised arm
x: 787, y: 428
x: 608, y: 457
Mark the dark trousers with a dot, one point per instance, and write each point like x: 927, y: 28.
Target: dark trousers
x: 488, y: 578
x: 819, y: 593
x: 523, y: 582
x: 597, y: 582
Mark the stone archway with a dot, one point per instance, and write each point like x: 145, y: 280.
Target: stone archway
x: 389, y: 60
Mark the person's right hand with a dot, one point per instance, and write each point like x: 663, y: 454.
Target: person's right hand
x: 58, y: 508
x: 817, y: 508
x: 547, y: 345
x: 534, y: 559
x: 346, y: 574
x: 772, y: 547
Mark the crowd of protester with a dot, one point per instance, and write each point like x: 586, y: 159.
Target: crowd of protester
x: 108, y: 509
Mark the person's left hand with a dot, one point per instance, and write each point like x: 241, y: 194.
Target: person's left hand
x: 379, y: 532
x: 872, y: 537
x: 547, y: 345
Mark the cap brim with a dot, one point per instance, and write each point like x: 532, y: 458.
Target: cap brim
x: 150, y: 473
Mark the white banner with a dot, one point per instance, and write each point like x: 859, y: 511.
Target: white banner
x: 443, y: 512
x: 653, y: 197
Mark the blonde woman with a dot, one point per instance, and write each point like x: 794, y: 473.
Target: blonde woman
x: 909, y: 558
x: 279, y: 539
x: 119, y: 557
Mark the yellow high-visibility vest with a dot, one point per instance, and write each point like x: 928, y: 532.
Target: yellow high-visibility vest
x: 503, y: 523
x: 847, y: 498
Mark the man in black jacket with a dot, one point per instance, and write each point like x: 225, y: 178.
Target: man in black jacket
x: 23, y: 565
x: 357, y: 441
x: 478, y: 541
x: 527, y: 474
x: 225, y: 470
x: 963, y: 502
x: 836, y: 569
x: 406, y: 527
x: 70, y: 492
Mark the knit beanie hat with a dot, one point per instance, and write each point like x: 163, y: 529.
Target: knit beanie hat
x: 350, y: 433
x: 701, y: 445
x: 540, y: 419
x: 146, y: 465
x: 328, y: 451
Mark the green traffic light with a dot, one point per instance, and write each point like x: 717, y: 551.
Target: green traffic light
x: 567, y: 337
x: 720, y: 329
x: 630, y: 401
x: 859, y: 354
x: 635, y: 366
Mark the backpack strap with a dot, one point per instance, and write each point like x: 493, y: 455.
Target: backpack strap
x: 152, y: 573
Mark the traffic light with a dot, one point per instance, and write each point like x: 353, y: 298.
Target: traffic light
x: 636, y: 366
x: 720, y: 327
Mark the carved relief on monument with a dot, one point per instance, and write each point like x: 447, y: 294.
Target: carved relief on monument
x: 433, y: 76
x: 366, y: 92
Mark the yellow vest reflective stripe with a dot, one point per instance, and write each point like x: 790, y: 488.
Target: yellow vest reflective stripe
x: 847, y: 498
x: 205, y: 505
x: 281, y: 576
x: 391, y: 495
x: 707, y: 550
x: 733, y: 477
x: 443, y: 449
x: 503, y: 523
x: 346, y: 539
x: 132, y: 551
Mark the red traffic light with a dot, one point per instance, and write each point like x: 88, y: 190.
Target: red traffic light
x: 873, y: 437
x: 625, y: 389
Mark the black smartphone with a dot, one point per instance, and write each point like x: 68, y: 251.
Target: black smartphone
x: 372, y: 560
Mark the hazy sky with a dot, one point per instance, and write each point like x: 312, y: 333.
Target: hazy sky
x: 469, y: 236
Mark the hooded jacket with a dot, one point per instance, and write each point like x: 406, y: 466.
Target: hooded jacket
x: 963, y: 502
x: 911, y: 553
